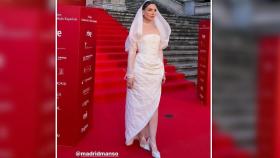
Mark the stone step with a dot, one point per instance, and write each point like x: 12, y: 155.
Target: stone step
x: 195, y: 27
x: 233, y: 108
x: 186, y: 47
x: 232, y: 122
x: 177, y: 27
x: 184, y: 34
x: 127, y: 15
x: 188, y: 73
x: 179, y: 52
x: 182, y: 59
x: 189, y: 66
x: 202, y: 16
x: 170, y: 16
x: 246, y: 137
x: 225, y: 112
x: 240, y: 127
x: 183, y: 31
x: 133, y: 5
x: 170, y: 21
x: 182, y: 38
x: 175, y: 31
x: 183, y: 42
x: 204, y: 4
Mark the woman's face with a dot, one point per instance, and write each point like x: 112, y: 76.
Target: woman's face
x: 150, y: 12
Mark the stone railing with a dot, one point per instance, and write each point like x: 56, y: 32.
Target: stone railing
x: 118, y: 5
x: 173, y: 6
x: 202, y: 8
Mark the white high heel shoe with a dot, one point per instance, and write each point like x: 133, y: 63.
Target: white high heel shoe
x: 155, y: 154
x: 144, y: 145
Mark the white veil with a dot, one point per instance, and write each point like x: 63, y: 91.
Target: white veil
x: 136, y: 30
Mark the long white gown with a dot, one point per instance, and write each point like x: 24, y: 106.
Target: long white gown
x: 143, y: 99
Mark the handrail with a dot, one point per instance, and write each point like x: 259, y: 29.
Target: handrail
x: 172, y: 5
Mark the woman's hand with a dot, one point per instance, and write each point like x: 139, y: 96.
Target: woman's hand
x: 130, y: 82
x: 163, y: 79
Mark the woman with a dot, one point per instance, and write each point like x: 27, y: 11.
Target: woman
x: 149, y: 34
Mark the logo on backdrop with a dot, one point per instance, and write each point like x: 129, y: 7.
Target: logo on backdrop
x: 83, y: 129
x: 89, y: 33
x: 60, y: 71
x: 61, y: 58
x: 87, y: 69
x: 85, y: 103
x: 85, y: 115
x: 87, y: 57
x: 61, y: 83
x: 59, y: 33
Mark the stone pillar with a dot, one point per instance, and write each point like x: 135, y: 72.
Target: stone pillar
x: 242, y: 13
x: 189, y: 7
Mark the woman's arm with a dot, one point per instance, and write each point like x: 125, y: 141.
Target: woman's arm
x: 130, y: 62
x: 162, y: 59
x: 129, y: 76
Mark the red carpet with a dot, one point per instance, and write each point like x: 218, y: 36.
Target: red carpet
x: 224, y: 146
x: 186, y: 134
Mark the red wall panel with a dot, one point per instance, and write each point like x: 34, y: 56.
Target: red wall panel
x: 268, y: 125
x: 204, y: 62
x: 76, y: 54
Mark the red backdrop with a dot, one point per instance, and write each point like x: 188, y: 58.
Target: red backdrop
x: 204, y: 69
x: 27, y: 83
x: 75, y: 68
x: 268, y: 127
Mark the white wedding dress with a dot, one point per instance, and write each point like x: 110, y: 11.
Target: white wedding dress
x: 143, y: 99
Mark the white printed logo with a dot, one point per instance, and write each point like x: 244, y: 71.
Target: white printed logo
x: 61, y: 58
x: 59, y: 33
x: 85, y: 44
x: 60, y: 71
x: 86, y: 91
x: 87, y: 57
x: 83, y: 129
x: 61, y: 83
x: 87, y: 69
x: 85, y: 103
x: 203, y: 36
x: 85, y: 115
x: 89, y: 33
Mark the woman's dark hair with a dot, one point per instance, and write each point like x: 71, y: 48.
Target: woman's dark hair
x: 145, y: 5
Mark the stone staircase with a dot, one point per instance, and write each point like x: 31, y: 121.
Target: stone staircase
x: 234, y: 86
x: 183, y: 43
x: 133, y: 5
